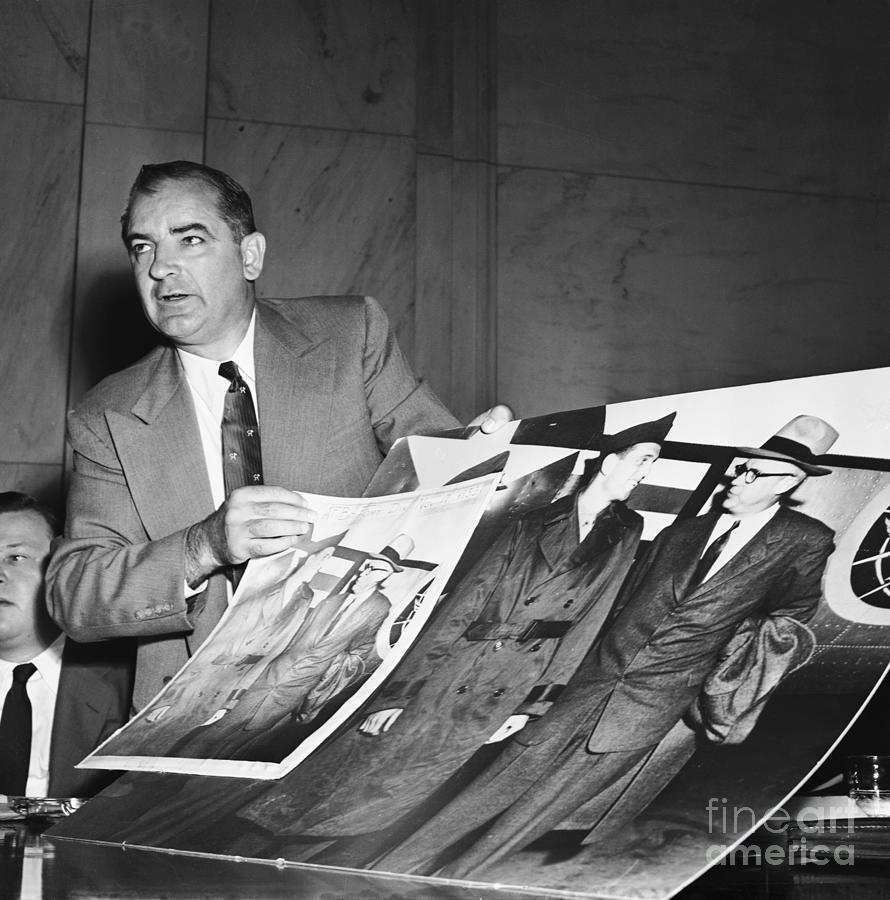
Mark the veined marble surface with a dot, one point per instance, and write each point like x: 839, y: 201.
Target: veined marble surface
x: 337, y: 209
x: 43, y: 50
x: 612, y: 289
x: 148, y: 63
x: 40, y: 149
x: 789, y: 96
x: 317, y: 62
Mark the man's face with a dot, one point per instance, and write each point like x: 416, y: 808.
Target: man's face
x: 623, y: 471
x: 193, y: 278
x: 24, y: 551
x: 372, y: 573
x: 742, y: 499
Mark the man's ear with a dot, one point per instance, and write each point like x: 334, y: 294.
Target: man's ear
x: 253, y: 252
x: 606, y: 463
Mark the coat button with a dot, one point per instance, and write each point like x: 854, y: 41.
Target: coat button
x: 568, y: 603
x: 497, y: 645
x: 529, y: 601
x: 462, y: 689
x: 167, y: 679
x: 534, y: 648
x: 498, y: 692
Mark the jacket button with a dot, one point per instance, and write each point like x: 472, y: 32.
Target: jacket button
x: 139, y: 614
x: 462, y: 689
x: 498, y: 692
x: 568, y: 603
x: 497, y: 645
x: 167, y: 679
x: 529, y: 601
x: 534, y: 648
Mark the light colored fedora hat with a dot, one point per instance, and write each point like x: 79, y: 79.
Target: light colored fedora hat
x: 800, y: 441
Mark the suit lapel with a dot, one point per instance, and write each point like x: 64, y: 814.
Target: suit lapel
x: 161, y: 452
x: 751, y: 554
x: 83, y: 703
x: 295, y: 387
x: 687, y: 548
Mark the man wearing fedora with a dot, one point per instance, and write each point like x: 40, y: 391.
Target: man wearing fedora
x: 333, y: 648
x: 751, y: 558
x: 499, y: 648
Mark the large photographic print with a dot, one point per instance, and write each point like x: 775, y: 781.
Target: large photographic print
x: 649, y: 642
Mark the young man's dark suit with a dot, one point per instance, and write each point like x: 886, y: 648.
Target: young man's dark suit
x: 633, y: 687
x: 334, y: 392
x: 92, y: 702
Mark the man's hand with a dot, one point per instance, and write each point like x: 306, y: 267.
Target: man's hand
x: 380, y: 721
x: 253, y: 522
x: 511, y: 726
x: 492, y: 419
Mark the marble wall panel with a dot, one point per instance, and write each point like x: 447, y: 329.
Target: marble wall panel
x: 43, y: 49
x: 315, y: 62
x: 613, y: 289
x: 789, y: 95
x: 38, y: 194
x: 337, y: 208
x: 109, y: 329
x: 148, y: 63
x: 39, y: 480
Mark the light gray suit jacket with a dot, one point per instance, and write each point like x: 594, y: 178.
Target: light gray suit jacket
x: 334, y: 392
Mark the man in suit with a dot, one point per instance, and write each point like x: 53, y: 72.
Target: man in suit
x: 500, y: 648
x: 752, y: 557
x: 60, y: 699
x: 175, y: 480
x: 334, y: 646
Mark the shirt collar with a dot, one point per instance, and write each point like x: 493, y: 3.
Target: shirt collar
x: 48, y: 662
x: 203, y: 373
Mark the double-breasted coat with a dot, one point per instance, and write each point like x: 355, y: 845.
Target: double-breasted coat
x: 469, y: 671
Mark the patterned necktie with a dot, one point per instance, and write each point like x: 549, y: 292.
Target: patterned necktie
x: 241, y: 455
x: 709, y: 557
x: 15, y: 733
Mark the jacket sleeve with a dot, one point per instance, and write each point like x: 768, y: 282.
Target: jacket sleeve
x: 398, y: 403
x: 760, y: 654
x: 106, y: 579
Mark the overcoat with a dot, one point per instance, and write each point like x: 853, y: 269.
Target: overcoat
x: 334, y: 392
x: 468, y: 672
x: 633, y: 687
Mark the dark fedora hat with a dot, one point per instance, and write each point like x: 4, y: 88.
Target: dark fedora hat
x: 645, y: 433
x: 800, y: 441
x: 396, y: 552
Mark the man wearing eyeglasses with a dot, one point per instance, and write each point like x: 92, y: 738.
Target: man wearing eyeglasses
x: 748, y: 567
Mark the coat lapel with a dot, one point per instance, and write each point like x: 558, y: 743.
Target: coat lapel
x: 687, y: 549
x: 752, y: 554
x: 161, y: 453
x: 291, y: 422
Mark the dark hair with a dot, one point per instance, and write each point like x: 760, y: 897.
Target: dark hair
x: 232, y: 201
x: 15, y: 501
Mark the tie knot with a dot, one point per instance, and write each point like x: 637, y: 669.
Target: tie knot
x: 21, y: 674
x: 229, y: 371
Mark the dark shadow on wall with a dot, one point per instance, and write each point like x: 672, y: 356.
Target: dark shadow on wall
x: 112, y: 332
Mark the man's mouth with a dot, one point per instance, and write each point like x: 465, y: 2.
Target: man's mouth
x: 172, y: 296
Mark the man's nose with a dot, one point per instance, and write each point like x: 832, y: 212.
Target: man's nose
x: 163, y: 263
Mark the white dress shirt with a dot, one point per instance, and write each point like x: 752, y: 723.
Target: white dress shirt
x: 208, y: 389
x: 748, y: 527
x: 43, y: 687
